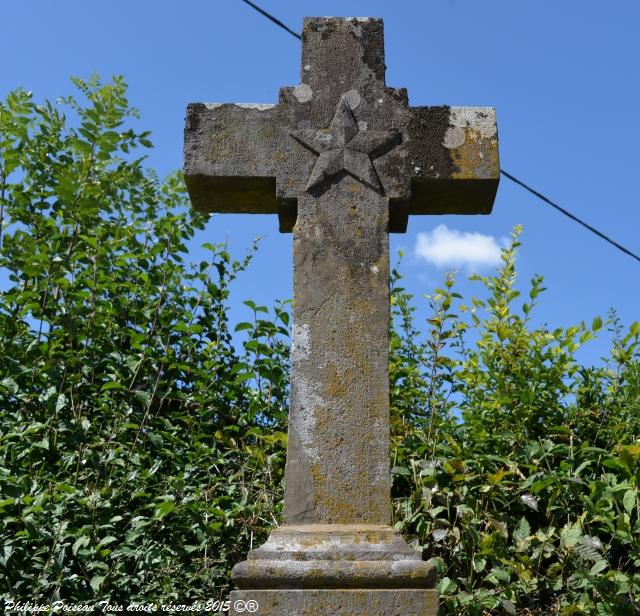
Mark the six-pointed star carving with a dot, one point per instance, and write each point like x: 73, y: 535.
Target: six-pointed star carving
x: 344, y: 148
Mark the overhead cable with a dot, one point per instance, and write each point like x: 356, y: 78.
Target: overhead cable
x: 514, y: 179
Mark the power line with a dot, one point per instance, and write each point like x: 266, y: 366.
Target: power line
x: 514, y: 179
x: 270, y: 17
x: 569, y: 214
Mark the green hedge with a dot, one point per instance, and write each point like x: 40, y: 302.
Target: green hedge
x: 142, y: 452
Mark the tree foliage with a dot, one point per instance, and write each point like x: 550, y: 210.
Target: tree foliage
x: 134, y: 458
x: 517, y: 472
x: 142, y: 451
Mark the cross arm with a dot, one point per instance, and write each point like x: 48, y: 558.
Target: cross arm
x: 231, y: 157
x: 450, y: 157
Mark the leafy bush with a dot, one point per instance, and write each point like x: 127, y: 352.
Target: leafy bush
x: 530, y: 503
x: 142, y: 453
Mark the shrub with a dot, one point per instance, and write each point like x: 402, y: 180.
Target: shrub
x: 517, y: 472
x: 142, y: 451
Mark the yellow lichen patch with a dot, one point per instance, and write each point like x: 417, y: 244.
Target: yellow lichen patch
x: 220, y: 146
x: 330, y: 507
x: 335, y: 382
x: 267, y: 133
x: 279, y: 156
x: 316, y: 474
x: 477, y: 157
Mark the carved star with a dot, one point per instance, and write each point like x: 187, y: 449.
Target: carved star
x: 344, y: 148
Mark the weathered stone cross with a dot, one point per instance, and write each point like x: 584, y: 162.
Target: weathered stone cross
x: 343, y: 160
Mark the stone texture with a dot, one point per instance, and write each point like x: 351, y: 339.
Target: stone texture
x: 334, y: 556
x: 343, y: 160
x: 335, y: 602
x: 338, y: 455
x: 245, y: 158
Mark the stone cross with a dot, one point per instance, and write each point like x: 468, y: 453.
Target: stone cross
x: 343, y: 160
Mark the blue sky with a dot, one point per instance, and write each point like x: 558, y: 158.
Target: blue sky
x: 562, y: 75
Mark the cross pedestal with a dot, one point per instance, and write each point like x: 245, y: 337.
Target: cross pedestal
x: 343, y: 160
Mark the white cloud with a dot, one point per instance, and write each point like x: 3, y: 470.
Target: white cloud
x: 446, y: 247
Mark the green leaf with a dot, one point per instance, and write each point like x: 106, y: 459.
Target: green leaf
x: 90, y: 240
x: 106, y: 541
x: 629, y: 500
x: 155, y: 439
x: 142, y: 396
x: 599, y: 566
x: 401, y: 470
x: 521, y: 534
x: 446, y: 586
x: 61, y: 402
x: 112, y: 385
x: 508, y: 606
x: 163, y: 509
x: 570, y: 534
x: 587, y: 551
x: 10, y: 384
x: 80, y: 542
x: 242, y: 326
x: 96, y: 582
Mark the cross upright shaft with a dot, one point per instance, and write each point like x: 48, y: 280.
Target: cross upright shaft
x: 343, y: 160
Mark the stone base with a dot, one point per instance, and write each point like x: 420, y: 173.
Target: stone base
x: 334, y: 556
x: 392, y: 602
x: 334, y: 570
